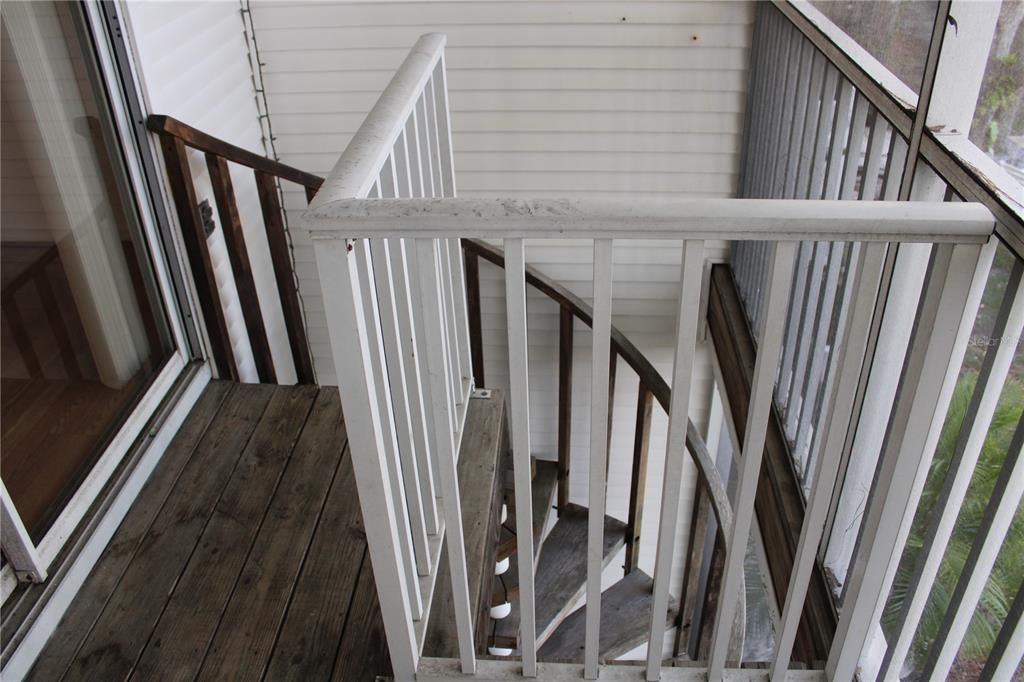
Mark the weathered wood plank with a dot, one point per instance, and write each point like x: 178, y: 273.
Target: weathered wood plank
x: 191, y: 616
x: 562, y: 569
x: 117, y: 638
x: 93, y: 596
x: 311, y: 633
x: 247, y: 632
x: 363, y: 654
x: 625, y: 621
x: 484, y: 444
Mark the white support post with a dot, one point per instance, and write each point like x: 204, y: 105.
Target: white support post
x: 792, y: 324
x: 519, y: 395
x: 385, y: 411
x: 599, y: 387
x: 387, y: 301
x: 999, y: 514
x: 446, y: 447
x: 780, y: 273
x: 838, y: 432
x: 1008, y: 649
x: 346, y: 324
x: 948, y: 307
x: 692, y: 269
x: 451, y: 326
x: 822, y: 345
x: 426, y: 153
x: 405, y: 295
x: 827, y: 120
x: 17, y: 545
x: 423, y: 443
x: 840, y: 136
x: 1006, y: 335
x: 803, y: 340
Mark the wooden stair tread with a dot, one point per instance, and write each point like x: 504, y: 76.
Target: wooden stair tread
x: 625, y: 621
x: 481, y: 459
x: 545, y: 480
x: 561, y: 573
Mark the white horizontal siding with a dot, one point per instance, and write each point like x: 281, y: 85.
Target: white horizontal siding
x: 547, y: 99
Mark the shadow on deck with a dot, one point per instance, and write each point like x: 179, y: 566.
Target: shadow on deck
x: 244, y: 556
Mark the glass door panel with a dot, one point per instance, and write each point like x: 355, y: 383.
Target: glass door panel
x: 83, y: 330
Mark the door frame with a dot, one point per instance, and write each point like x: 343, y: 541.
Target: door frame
x: 101, y: 31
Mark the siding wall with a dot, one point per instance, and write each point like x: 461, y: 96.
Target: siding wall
x: 547, y: 99
x: 193, y: 63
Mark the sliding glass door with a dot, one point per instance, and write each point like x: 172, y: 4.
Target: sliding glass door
x: 88, y: 324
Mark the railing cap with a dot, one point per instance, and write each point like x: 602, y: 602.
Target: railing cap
x: 756, y: 219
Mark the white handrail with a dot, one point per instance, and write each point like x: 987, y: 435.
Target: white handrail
x: 645, y: 218
x: 357, y: 169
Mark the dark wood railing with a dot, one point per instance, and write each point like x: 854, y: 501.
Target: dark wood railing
x: 175, y: 138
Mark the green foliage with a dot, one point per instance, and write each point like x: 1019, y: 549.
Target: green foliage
x: 999, y: 94
x: 1008, y: 574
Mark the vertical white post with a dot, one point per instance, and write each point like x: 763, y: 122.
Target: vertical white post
x: 599, y: 386
x: 1008, y: 649
x: 780, y: 273
x: 999, y: 514
x: 387, y: 301
x: 448, y: 279
x: 936, y: 352
x: 346, y: 324
x: 440, y: 412
x: 851, y: 353
x: 691, y: 274
x: 405, y: 297
x: 17, y: 545
x: 385, y: 412
x: 995, y: 368
x: 519, y: 383
x: 426, y: 154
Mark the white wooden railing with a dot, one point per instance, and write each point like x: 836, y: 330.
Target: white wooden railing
x: 360, y: 243
x: 386, y: 226
x: 402, y: 353
x: 820, y: 132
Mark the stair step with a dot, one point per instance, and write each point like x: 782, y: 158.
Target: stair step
x: 561, y: 573
x: 544, y: 485
x: 625, y: 622
x: 545, y: 479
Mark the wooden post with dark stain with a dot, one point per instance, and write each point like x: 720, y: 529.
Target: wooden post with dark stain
x: 565, y: 332
x: 712, y: 596
x: 612, y: 371
x: 700, y: 517
x: 194, y: 236
x: 641, y: 440
x: 476, y: 337
x: 60, y: 329
x: 280, y: 255
x: 234, y: 237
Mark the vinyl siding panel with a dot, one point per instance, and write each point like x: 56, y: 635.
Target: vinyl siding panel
x: 548, y: 99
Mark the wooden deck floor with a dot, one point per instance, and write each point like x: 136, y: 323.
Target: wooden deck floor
x: 243, y: 557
